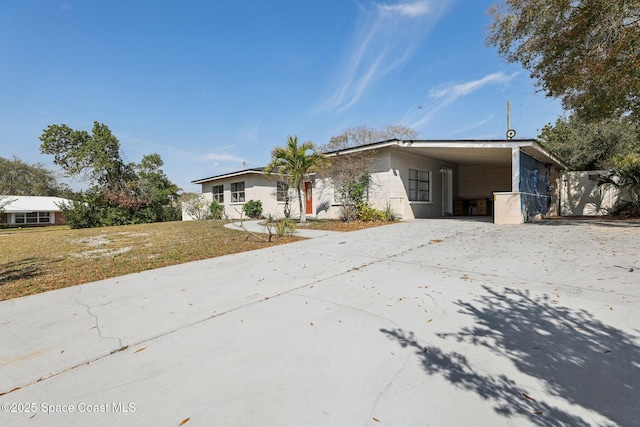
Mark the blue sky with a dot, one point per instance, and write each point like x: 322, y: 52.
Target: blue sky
x: 210, y: 84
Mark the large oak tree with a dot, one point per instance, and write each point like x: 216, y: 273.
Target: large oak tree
x: 584, y: 52
x: 128, y: 192
x: 19, y: 178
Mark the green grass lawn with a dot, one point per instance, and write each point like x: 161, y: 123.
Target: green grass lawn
x: 34, y: 260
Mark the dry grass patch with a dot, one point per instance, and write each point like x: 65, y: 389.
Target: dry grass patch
x: 39, y: 260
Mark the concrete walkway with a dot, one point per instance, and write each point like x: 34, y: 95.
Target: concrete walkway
x: 433, y: 322
x: 256, y: 226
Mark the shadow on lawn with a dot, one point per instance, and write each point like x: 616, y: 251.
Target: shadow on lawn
x: 576, y: 356
x: 24, y: 269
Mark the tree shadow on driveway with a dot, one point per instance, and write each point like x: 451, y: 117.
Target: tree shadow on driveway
x: 576, y: 356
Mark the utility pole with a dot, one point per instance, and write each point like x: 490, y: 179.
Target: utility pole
x: 510, y: 132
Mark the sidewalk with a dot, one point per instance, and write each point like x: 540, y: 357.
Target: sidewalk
x: 433, y: 322
x: 256, y: 226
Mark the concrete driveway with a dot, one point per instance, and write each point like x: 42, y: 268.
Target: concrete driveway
x: 424, y: 323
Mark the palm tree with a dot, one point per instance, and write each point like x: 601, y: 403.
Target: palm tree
x: 625, y: 177
x: 293, y: 163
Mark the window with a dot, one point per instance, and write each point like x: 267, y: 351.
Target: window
x: 237, y: 192
x: 32, y: 218
x: 282, y: 191
x: 218, y: 193
x: 419, y: 185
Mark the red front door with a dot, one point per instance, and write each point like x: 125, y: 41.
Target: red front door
x: 308, y: 197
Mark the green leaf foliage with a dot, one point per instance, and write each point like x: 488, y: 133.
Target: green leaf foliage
x: 586, y: 145
x: 121, y: 192
x: 253, y: 208
x: 584, y: 52
x: 216, y: 210
x: 625, y: 176
x: 364, y: 212
x: 20, y: 178
x: 293, y: 163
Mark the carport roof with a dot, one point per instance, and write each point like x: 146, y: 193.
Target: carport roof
x: 462, y: 151
x: 495, y: 152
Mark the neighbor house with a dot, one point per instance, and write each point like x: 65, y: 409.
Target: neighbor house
x: 32, y: 211
x: 514, y: 181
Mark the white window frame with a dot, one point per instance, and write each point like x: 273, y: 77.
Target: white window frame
x: 237, y: 195
x: 32, y: 218
x: 218, y: 195
x: 417, y: 192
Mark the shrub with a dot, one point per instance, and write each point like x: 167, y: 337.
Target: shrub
x: 216, y: 210
x: 172, y: 213
x: 253, y: 208
x: 625, y: 176
x: 353, y: 195
x: 281, y: 226
x: 364, y: 212
x: 80, y: 215
x: 389, y: 214
x: 285, y: 226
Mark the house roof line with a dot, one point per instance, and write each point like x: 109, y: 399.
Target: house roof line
x: 371, y: 146
x: 444, y: 143
x: 422, y: 143
x: 19, y: 204
x: 230, y: 175
x: 549, y: 154
x: 432, y: 143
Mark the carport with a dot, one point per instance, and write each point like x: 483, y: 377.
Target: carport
x: 514, y: 181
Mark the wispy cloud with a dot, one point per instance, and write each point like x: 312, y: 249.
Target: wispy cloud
x: 418, y: 8
x: 218, y: 158
x: 252, y: 133
x: 452, y: 92
x: 448, y: 93
x: 466, y: 129
x: 385, y: 38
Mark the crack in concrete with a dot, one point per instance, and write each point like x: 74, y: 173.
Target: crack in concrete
x: 122, y: 347
x: 96, y: 317
x: 386, y: 388
x: 291, y: 293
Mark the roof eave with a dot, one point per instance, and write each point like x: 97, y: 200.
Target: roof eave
x: 229, y: 175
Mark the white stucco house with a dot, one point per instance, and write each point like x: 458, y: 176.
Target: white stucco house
x: 513, y: 181
x: 32, y: 211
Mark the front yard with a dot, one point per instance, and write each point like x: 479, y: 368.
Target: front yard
x: 39, y: 260
x: 34, y: 260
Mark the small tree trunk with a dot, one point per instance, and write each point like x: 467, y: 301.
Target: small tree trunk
x: 303, y: 212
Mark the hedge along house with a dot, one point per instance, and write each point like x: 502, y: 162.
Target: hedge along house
x: 512, y: 180
x: 32, y: 211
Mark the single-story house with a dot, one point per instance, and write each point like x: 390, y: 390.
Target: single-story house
x: 32, y: 211
x: 514, y: 181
